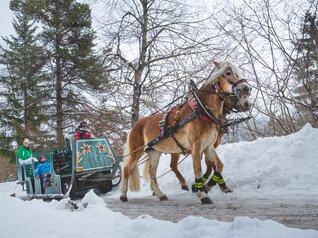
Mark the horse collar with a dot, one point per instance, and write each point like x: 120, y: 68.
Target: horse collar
x: 204, y: 113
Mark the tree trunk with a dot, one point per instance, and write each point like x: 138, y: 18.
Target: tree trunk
x: 58, y: 87
x: 59, y: 108
x: 142, y: 61
x: 136, y: 97
x: 27, y: 125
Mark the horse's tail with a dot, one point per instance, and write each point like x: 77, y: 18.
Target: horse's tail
x: 135, y: 150
x: 134, y: 179
x: 147, y: 171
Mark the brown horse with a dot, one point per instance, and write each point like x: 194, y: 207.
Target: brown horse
x: 196, y: 137
x: 228, y: 107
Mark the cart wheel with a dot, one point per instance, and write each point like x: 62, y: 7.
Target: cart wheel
x: 73, y: 192
x: 65, y: 188
x: 117, y: 177
x: 105, y: 187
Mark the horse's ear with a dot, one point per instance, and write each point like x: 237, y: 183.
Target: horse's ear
x: 216, y: 63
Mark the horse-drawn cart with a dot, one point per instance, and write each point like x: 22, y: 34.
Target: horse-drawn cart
x: 85, y: 164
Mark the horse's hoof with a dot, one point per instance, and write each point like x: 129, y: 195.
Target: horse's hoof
x: 226, y: 189
x: 185, y: 187
x: 193, y: 188
x: 206, y: 200
x: 163, y: 198
x: 123, y: 199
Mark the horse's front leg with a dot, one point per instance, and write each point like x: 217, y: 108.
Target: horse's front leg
x: 199, y: 180
x: 216, y: 178
x: 209, y: 166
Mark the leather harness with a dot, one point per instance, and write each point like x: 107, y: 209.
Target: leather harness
x: 199, y: 110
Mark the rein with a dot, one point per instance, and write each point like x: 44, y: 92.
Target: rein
x: 235, y: 122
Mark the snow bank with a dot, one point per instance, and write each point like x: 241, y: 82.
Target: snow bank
x: 288, y: 165
x: 271, y: 167
x: 37, y: 219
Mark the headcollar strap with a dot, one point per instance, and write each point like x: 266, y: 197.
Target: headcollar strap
x: 238, y: 82
x: 218, y: 90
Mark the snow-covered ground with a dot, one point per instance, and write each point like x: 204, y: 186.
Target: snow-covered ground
x: 278, y: 168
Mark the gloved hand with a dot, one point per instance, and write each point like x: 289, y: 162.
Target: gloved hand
x: 34, y: 159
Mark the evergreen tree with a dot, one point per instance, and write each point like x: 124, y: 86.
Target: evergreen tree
x: 22, y: 89
x: 68, y: 37
x: 307, y: 69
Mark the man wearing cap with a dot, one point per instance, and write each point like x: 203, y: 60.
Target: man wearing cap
x: 25, y: 153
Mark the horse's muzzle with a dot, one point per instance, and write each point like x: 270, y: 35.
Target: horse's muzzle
x: 247, y: 90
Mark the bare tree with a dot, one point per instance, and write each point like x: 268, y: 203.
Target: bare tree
x: 265, y: 47
x: 153, y: 49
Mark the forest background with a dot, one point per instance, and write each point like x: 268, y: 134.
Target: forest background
x: 111, y: 62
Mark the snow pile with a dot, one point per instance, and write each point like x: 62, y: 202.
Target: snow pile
x: 287, y: 164
x: 91, y: 198
x: 274, y: 166
x: 270, y: 167
x: 36, y: 219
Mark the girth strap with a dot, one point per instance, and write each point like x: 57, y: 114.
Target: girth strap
x: 172, y: 130
x: 178, y: 144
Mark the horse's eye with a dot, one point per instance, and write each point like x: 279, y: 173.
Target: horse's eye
x: 228, y: 73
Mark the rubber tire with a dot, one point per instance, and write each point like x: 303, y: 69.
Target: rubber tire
x: 105, y: 187
x: 116, y: 182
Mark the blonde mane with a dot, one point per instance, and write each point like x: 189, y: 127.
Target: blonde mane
x: 220, y: 69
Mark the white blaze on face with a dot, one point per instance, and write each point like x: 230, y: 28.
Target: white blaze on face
x: 243, y: 92
x: 232, y: 73
x: 225, y: 68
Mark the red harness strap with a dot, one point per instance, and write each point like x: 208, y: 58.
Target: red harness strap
x: 194, y: 106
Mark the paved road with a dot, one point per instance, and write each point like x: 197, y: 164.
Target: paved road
x: 290, y: 212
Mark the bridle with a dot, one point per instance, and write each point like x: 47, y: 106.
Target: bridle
x: 216, y: 88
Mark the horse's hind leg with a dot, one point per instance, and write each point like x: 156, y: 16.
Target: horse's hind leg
x: 131, y: 168
x: 174, y: 168
x: 154, y: 161
x: 209, y: 166
x: 124, y: 182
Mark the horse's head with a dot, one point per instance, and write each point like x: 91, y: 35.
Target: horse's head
x: 228, y: 82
